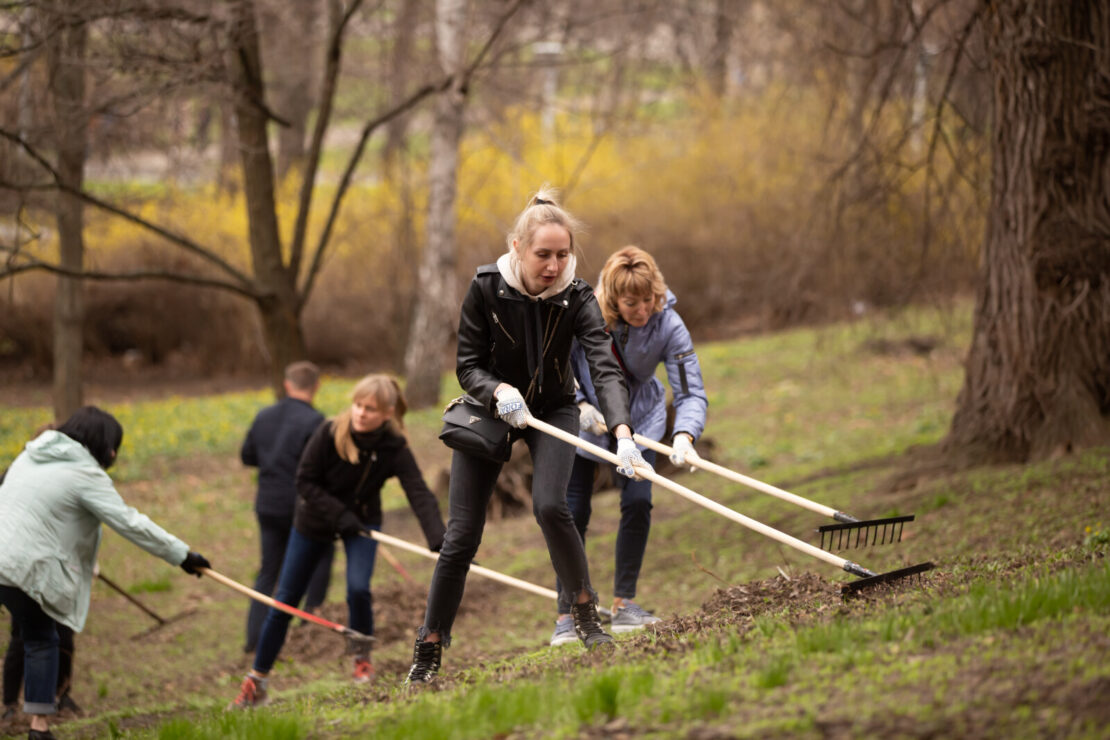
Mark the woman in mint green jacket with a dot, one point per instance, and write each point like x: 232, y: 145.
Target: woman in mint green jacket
x: 53, y: 500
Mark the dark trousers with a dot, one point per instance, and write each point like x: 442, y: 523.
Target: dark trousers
x: 632, y: 534
x: 13, y: 663
x: 472, y: 481
x: 301, y: 559
x: 40, y: 650
x: 274, y: 540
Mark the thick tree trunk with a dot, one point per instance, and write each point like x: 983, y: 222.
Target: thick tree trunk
x: 436, y: 305
x: 279, y: 305
x: 67, y: 89
x: 1038, y: 372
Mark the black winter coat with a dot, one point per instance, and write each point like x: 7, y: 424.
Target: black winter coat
x: 326, y: 483
x: 506, y: 337
x: 274, y: 445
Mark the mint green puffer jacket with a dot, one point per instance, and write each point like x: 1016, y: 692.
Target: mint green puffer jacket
x: 52, y: 502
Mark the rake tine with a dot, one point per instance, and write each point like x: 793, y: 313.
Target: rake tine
x: 874, y: 579
x: 867, y: 532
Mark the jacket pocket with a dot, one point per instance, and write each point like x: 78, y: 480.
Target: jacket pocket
x: 497, y: 320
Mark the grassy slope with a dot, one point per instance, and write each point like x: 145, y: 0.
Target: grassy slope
x: 1007, y: 638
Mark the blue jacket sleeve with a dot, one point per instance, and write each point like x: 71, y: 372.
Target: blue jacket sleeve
x: 684, y: 377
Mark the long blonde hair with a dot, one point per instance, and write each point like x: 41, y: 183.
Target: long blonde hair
x: 542, y: 209
x: 387, y: 394
x: 629, y: 271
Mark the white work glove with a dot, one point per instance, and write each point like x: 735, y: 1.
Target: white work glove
x: 512, y: 409
x: 629, y: 458
x: 682, y: 451
x: 590, y: 419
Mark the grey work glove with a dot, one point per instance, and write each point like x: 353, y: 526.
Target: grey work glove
x: 590, y: 419
x: 512, y: 409
x: 630, y: 458
x: 682, y: 451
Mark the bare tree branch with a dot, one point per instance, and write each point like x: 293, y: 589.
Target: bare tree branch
x: 19, y: 262
x: 402, y: 107
x: 323, y: 118
x: 244, y: 281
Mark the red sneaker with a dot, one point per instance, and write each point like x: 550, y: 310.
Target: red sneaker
x: 252, y: 693
x: 364, y: 671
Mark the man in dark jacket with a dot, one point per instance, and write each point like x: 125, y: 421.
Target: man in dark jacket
x: 274, y: 445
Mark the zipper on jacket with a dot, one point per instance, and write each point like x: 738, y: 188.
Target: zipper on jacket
x: 505, y: 331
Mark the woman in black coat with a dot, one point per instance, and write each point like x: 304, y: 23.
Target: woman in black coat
x: 339, y: 482
x: 517, y: 325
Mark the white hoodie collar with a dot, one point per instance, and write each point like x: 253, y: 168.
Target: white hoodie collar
x: 512, y: 271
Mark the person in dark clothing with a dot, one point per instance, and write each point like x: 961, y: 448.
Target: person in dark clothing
x: 339, y: 484
x: 274, y: 445
x: 13, y: 671
x: 518, y: 322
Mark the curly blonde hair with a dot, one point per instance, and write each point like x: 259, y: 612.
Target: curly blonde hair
x: 630, y: 271
x: 387, y: 394
x: 543, y: 208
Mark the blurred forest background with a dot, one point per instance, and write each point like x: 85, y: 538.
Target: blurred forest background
x: 199, y: 188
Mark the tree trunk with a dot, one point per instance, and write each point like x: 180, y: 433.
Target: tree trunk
x: 279, y: 303
x: 1037, y: 380
x: 67, y: 90
x: 436, y: 305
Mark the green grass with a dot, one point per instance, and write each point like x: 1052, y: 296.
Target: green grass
x: 1006, y: 638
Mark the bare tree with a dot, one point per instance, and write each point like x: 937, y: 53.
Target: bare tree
x: 435, y: 304
x: 66, y: 62
x: 281, y: 278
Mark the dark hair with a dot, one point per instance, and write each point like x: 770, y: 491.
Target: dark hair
x: 303, y: 375
x: 97, y: 430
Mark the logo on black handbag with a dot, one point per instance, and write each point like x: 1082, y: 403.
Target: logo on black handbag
x: 474, y: 420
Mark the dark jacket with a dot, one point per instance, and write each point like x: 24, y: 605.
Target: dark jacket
x: 327, y: 498
x: 273, y: 445
x: 500, y: 336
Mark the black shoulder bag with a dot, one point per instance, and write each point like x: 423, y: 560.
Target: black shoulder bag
x: 469, y: 427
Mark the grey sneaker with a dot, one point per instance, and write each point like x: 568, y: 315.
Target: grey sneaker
x: 564, y: 631
x: 631, y: 617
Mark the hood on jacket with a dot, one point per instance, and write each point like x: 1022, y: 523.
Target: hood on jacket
x: 53, y: 446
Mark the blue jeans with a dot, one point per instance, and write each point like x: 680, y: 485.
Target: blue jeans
x: 301, y: 557
x: 632, y: 534
x: 275, y: 532
x: 40, y: 650
x: 472, y: 481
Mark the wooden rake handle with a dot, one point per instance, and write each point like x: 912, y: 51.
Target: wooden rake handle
x: 268, y: 601
x: 742, y: 479
x: 493, y: 575
x: 697, y: 498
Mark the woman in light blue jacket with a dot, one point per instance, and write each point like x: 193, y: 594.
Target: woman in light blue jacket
x: 639, y: 313
x: 53, y: 500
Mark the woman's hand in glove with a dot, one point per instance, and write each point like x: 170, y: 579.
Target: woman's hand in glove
x: 193, y: 562
x: 630, y: 458
x: 511, y: 407
x: 682, y: 451
x: 590, y: 419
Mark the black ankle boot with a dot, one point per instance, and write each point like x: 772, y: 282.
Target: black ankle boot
x: 426, y: 657
x: 588, y: 626
x: 40, y: 735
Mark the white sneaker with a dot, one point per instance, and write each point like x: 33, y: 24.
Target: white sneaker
x: 631, y: 617
x: 564, y: 631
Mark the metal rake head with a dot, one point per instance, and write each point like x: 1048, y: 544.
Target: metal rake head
x: 863, y: 533
x: 854, y: 587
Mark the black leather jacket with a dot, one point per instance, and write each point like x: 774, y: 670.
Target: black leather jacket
x: 506, y: 337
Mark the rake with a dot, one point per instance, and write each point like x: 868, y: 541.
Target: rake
x: 477, y: 569
x: 850, y: 532
x: 162, y: 621
x: 867, y: 577
x: 357, y: 643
